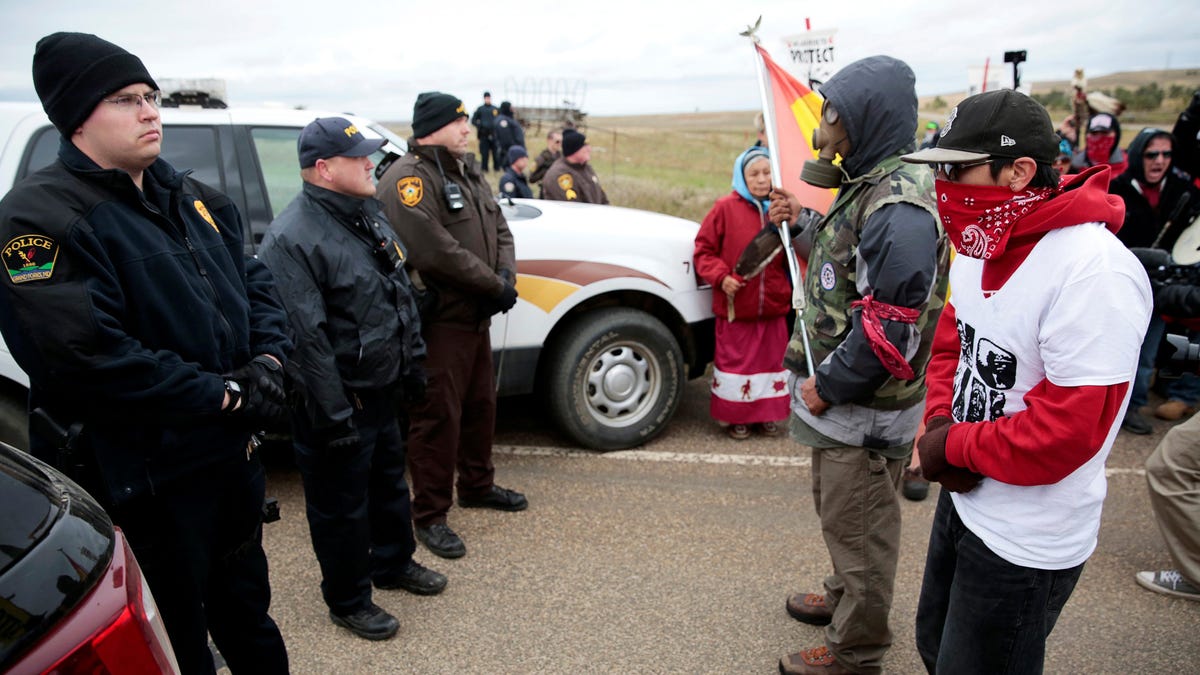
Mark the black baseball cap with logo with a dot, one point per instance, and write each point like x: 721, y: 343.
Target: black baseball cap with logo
x: 1003, y: 123
x: 327, y: 137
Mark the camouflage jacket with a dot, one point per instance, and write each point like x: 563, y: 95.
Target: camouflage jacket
x: 909, y: 264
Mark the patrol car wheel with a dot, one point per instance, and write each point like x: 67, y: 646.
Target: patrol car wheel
x: 615, y: 378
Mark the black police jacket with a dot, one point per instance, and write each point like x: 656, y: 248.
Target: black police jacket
x: 509, y: 132
x: 351, y: 308
x: 513, y: 184
x: 125, y: 308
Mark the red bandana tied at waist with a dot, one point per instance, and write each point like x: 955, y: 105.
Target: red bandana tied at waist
x: 873, y: 312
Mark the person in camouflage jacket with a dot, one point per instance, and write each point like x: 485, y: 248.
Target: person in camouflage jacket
x: 875, y: 285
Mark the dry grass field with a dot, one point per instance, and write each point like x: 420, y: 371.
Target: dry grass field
x: 681, y: 163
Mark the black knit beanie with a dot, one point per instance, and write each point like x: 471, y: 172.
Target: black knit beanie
x: 572, y: 142
x: 435, y: 110
x: 73, y: 71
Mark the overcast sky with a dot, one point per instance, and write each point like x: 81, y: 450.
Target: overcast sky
x: 609, y: 57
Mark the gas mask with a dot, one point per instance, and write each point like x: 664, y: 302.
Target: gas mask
x: 829, y: 140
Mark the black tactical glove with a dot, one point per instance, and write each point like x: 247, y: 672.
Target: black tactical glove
x: 932, y: 448
x: 262, y: 396
x: 503, y: 303
x: 508, y: 297
x: 342, y: 436
x: 413, y: 385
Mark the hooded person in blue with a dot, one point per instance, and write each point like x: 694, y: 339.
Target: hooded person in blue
x: 875, y: 286
x: 749, y: 387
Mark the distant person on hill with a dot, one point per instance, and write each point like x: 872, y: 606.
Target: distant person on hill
x: 749, y: 386
x: 552, y: 152
x: 1103, y: 145
x: 760, y: 127
x: 484, y: 121
x: 571, y: 178
x: 508, y: 131
x: 513, y: 183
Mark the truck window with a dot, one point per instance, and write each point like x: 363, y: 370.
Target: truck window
x: 276, y: 148
x: 192, y: 148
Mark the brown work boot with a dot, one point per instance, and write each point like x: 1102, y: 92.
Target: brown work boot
x: 812, y: 661
x: 809, y: 608
x: 1173, y: 410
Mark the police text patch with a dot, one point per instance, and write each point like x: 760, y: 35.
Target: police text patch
x: 30, y: 257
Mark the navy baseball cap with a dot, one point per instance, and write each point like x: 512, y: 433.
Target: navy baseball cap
x: 327, y: 137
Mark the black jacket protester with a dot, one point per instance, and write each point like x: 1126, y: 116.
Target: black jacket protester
x: 143, y: 300
x: 350, y: 305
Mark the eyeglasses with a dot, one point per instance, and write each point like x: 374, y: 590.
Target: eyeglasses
x: 1155, y: 154
x: 131, y: 101
x: 952, y: 171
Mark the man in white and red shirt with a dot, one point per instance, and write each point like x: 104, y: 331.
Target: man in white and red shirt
x: 1031, y: 368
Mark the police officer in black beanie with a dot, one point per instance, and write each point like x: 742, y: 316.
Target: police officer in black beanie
x: 462, y: 251
x: 153, y: 367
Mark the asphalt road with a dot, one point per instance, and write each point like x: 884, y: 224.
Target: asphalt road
x: 677, y: 558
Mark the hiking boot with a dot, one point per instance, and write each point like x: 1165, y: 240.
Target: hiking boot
x: 370, y: 623
x: 1169, y: 582
x: 1134, y: 423
x: 809, y: 608
x: 739, y: 432
x: 496, y: 497
x: 812, y: 661
x: 441, y: 540
x: 415, y: 578
x: 1173, y: 410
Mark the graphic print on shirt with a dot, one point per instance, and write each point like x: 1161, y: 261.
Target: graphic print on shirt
x: 986, y: 372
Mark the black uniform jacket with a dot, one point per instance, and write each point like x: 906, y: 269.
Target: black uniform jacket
x: 350, y: 304
x: 125, y: 308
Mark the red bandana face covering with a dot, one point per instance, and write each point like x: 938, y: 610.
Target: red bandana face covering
x: 1100, y: 147
x: 979, y: 218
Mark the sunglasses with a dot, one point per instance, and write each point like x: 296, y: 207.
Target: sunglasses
x: 1157, y: 153
x: 952, y: 171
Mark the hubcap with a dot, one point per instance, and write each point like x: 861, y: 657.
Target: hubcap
x: 622, y: 385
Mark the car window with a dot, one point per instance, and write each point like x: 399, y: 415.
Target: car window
x: 43, y: 150
x: 276, y: 149
x: 192, y: 148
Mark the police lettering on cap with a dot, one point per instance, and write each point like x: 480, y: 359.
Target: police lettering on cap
x: 572, y: 142
x: 72, y: 72
x: 1001, y: 123
x: 435, y: 110
x: 327, y: 137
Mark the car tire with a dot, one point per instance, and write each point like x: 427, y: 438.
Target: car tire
x: 614, y: 379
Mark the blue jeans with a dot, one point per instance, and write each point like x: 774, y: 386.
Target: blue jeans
x: 979, y: 613
x: 1185, y: 388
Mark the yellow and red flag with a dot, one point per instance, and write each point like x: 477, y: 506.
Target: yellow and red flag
x: 797, y: 112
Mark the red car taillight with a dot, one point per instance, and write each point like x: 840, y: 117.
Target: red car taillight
x: 116, y: 629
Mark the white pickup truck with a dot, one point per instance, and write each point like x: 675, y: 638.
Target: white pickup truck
x: 611, y: 320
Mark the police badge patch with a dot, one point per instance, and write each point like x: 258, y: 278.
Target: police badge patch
x: 566, y: 182
x: 411, y: 190
x: 30, y: 257
x: 203, y: 211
